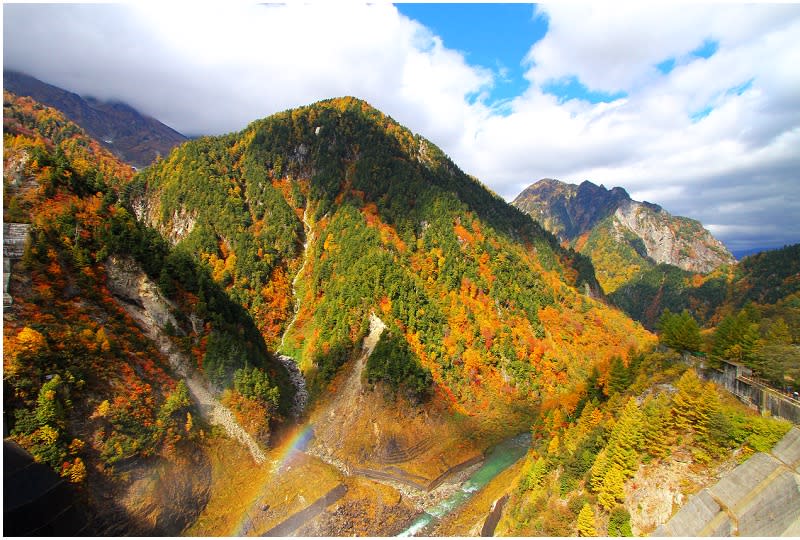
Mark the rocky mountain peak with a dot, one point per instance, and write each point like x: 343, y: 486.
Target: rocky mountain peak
x: 581, y: 214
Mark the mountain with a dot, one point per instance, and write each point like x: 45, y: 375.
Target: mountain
x: 315, y: 326
x: 134, y: 138
x: 621, y: 236
x: 317, y: 221
x: 318, y: 218
x: 310, y: 232
x: 115, y: 346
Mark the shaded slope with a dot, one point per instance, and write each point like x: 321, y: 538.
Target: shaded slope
x: 768, y: 278
x: 133, y: 137
x: 35, y: 500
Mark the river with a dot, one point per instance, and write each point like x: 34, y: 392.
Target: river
x: 500, y: 458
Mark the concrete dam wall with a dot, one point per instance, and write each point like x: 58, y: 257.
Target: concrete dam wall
x: 738, y: 380
x: 760, y: 497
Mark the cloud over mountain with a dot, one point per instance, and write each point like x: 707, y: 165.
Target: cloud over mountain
x: 693, y: 107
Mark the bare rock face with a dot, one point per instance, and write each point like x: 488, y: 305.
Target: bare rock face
x: 678, y: 241
x: 178, y: 227
x: 571, y: 211
x: 567, y: 210
x: 128, y: 282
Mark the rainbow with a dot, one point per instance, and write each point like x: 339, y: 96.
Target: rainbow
x: 294, y: 444
x: 281, y: 456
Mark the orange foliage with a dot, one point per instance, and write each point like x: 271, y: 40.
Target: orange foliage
x: 387, y: 234
x: 385, y: 305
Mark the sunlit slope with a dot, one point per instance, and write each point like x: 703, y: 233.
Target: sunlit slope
x: 473, y: 292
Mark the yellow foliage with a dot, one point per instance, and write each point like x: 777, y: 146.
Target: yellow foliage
x: 102, y: 410
x: 75, y: 471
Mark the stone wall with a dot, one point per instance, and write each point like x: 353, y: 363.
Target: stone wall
x: 14, y: 237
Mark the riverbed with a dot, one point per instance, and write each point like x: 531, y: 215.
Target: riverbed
x: 497, y: 460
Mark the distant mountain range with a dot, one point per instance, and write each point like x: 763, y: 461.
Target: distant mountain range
x: 133, y: 137
x: 620, y: 235
x: 742, y: 253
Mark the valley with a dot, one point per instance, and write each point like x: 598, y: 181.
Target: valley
x: 320, y: 326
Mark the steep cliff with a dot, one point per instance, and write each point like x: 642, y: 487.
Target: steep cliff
x: 621, y: 236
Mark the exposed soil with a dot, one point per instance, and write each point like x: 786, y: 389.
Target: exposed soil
x: 659, y: 488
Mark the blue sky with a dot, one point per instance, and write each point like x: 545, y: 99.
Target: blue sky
x: 498, y: 37
x: 695, y: 107
x: 495, y: 36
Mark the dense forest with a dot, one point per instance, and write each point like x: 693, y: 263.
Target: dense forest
x: 764, y: 278
x: 285, y: 238
x: 485, y: 300
x: 84, y: 390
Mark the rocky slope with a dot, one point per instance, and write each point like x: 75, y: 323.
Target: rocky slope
x: 133, y: 137
x: 620, y: 235
x: 568, y: 210
x: 152, y: 312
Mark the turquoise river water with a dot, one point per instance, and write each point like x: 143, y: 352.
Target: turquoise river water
x: 500, y: 458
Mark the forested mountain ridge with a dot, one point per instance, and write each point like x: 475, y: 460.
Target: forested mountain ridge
x: 476, y: 292
x: 622, y: 237
x: 131, y: 136
x: 85, y: 391
x: 770, y: 278
x: 306, y: 233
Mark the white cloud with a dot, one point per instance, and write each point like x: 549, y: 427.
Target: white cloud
x: 213, y: 68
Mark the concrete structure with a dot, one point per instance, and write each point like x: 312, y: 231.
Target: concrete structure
x: 14, y: 237
x: 760, y: 497
x: 739, y: 381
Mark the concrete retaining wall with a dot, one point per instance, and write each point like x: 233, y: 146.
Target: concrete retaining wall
x: 760, y: 497
x: 737, y: 379
x: 14, y: 238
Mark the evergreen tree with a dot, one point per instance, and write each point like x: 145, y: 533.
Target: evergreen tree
x: 613, y: 488
x: 619, y: 377
x: 735, y: 337
x: 586, y: 521
x: 679, y: 332
x: 619, y: 522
